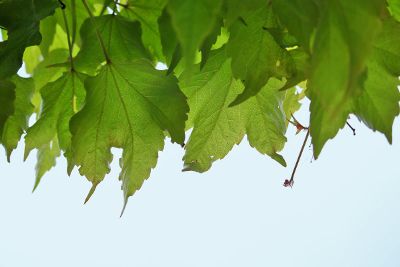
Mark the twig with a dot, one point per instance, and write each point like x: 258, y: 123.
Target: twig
x: 73, y: 30
x: 291, y: 181
x: 351, y: 127
x: 298, y: 123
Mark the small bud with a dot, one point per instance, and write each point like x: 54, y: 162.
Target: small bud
x: 288, y: 183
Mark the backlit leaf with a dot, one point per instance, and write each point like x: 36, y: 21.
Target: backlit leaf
x: 218, y: 127
x: 339, y: 63
x: 193, y: 21
x: 17, y: 123
x: 378, y: 104
x: 259, y: 58
x: 128, y: 105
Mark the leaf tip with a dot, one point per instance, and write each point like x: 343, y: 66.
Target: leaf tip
x: 70, y: 168
x: 8, y: 152
x: 26, y: 153
x: 124, y: 207
x: 279, y: 158
x: 37, y: 181
x: 91, y: 191
x: 388, y: 136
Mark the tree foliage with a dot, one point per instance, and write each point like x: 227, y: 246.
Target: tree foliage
x: 232, y: 71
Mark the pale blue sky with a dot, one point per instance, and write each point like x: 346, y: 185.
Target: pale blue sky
x: 343, y: 211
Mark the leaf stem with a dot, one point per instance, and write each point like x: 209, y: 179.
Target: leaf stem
x: 73, y: 31
x: 69, y: 40
x: 103, y: 47
x: 291, y: 181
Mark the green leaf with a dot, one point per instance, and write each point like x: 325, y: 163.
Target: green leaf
x: 48, y: 30
x: 121, y: 37
x: 61, y: 99
x: 7, y: 97
x: 170, y: 44
x: 21, y: 19
x: 46, y: 71
x: 238, y: 9
x: 17, y: 123
x: 302, y: 65
x: 300, y: 17
x: 256, y: 57
x: 343, y: 42
x: 218, y: 127
x: 378, y: 104
x: 394, y: 7
x: 31, y: 58
x: 209, y: 42
x: 147, y: 13
x: 291, y: 103
x: 128, y: 105
x: 46, y: 159
x: 193, y: 21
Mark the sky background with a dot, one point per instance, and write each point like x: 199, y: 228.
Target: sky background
x: 342, y: 211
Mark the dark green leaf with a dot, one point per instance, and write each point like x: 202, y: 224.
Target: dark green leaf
x: 17, y: 123
x: 21, y: 19
x: 378, y: 104
x: 121, y: 37
x: 343, y: 42
x: 256, y: 57
x: 193, y: 21
x: 147, y: 13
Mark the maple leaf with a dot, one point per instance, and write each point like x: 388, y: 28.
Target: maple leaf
x: 218, y: 127
x: 128, y: 105
x: 61, y: 100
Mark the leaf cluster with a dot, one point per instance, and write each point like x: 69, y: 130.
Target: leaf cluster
x: 233, y: 69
